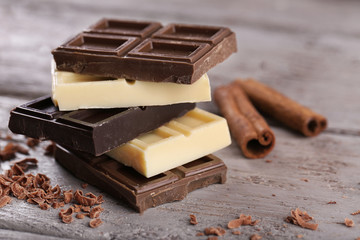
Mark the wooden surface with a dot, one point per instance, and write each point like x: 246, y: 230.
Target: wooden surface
x: 309, y: 50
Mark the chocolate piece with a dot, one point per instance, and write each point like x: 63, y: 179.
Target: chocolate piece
x: 198, y: 131
x: 141, y: 192
x: 129, y: 49
x: 94, y: 131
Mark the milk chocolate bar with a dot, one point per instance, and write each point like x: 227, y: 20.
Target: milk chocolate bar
x: 94, y: 131
x: 146, y: 51
x: 182, y: 140
x: 140, y: 192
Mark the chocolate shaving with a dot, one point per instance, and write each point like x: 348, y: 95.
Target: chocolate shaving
x: 20, y: 149
x: 84, y: 185
x: 44, y: 206
x: 68, y: 196
x: 331, y: 202
x: 95, y: 223
x: 95, y: 211
x: 85, y: 208
x: 242, y: 220
x: 88, y: 200
x: 32, y: 142
x: 215, y: 231
x: 4, y: 200
x: 26, y: 163
x: 8, y: 152
x: 50, y: 149
x: 356, y: 213
x: 80, y: 215
x: 349, y: 222
x: 66, y: 215
x: 193, y: 219
x: 301, y: 219
x: 199, y: 234
x: 18, y: 191
x: 100, y: 199
x: 255, y: 237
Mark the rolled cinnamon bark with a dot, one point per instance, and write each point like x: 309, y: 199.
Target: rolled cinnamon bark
x: 249, y: 129
x: 280, y: 107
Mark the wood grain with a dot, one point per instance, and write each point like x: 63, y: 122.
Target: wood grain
x: 309, y: 50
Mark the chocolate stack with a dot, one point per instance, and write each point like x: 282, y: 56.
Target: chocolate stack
x: 122, y: 110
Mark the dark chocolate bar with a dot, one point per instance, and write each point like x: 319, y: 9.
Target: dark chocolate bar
x: 146, y: 51
x: 140, y: 192
x: 95, y: 131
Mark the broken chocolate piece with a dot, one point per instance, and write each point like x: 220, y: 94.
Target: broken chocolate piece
x: 95, y: 131
x: 176, y: 53
x: 140, y: 192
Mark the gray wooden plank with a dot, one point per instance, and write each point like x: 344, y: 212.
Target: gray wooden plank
x: 249, y: 189
x: 309, y: 50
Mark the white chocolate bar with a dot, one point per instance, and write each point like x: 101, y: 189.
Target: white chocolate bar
x: 178, y: 142
x: 71, y: 91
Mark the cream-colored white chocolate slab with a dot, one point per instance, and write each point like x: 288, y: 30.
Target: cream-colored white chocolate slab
x: 182, y: 140
x: 71, y: 91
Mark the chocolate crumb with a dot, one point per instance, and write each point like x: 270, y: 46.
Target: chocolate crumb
x: 304, y: 179
x: 214, y: 231
x: 356, y: 213
x: 84, y: 185
x: 268, y: 161
x: 21, y: 149
x: 236, y: 232
x: 32, y: 142
x: 349, y: 222
x: 4, y: 200
x: 242, y: 220
x: 193, y: 219
x: 255, y: 237
x: 50, y: 149
x: 80, y: 215
x: 331, y: 202
x: 95, y: 223
x: 26, y: 163
x: 89, y: 199
x: 95, y: 211
x: 67, y: 196
x: 44, y: 206
x: 273, y: 195
x: 301, y: 219
x: 200, y: 234
x: 85, y: 208
x: 8, y: 152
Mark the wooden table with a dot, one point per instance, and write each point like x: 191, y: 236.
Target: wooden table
x: 309, y: 50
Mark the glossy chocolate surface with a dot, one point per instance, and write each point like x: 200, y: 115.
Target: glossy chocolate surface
x: 138, y: 191
x: 146, y: 51
x: 95, y: 131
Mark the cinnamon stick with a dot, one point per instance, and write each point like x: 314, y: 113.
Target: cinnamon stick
x: 282, y: 108
x: 247, y: 126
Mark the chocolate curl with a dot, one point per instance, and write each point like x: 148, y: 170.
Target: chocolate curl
x: 249, y: 129
x: 283, y: 109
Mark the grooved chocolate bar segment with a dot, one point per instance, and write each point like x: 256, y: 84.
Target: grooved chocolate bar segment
x: 101, y: 44
x: 141, y: 193
x: 95, y: 131
x: 208, y: 34
x: 140, y: 29
x: 124, y: 49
